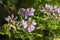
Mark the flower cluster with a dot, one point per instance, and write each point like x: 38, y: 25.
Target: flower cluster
x: 52, y: 11
x: 27, y: 12
x: 12, y: 22
x: 28, y: 25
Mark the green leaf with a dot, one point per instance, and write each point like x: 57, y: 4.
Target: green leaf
x: 19, y: 12
x: 56, y: 39
x: 1, y: 33
x: 39, y: 35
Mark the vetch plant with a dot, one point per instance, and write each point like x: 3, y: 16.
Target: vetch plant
x: 31, y: 23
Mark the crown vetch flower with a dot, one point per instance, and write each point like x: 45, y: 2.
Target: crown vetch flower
x: 12, y: 22
x: 11, y: 18
x: 24, y: 23
x: 48, y: 6
x: 51, y: 11
x: 29, y: 26
x: 31, y: 12
x: 59, y: 10
x: 27, y: 12
x: 24, y: 13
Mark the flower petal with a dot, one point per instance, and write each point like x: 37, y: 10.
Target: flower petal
x: 32, y: 9
x: 30, y: 14
x: 12, y: 16
x: 8, y: 18
x: 24, y: 15
x: 24, y: 24
x: 33, y: 22
x: 13, y: 27
x: 31, y: 28
x: 29, y: 19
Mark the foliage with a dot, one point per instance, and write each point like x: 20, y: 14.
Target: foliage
x: 46, y: 28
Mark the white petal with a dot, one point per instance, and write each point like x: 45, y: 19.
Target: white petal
x: 14, y: 22
x: 32, y: 9
x: 12, y: 16
x: 29, y: 19
x: 33, y: 22
x: 15, y: 18
x: 55, y: 7
x: 27, y: 9
x: 24, y: 24
x: 26, y: 17
x: 47, y: 6
x: 13, y: 27
x: 18, y: 23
